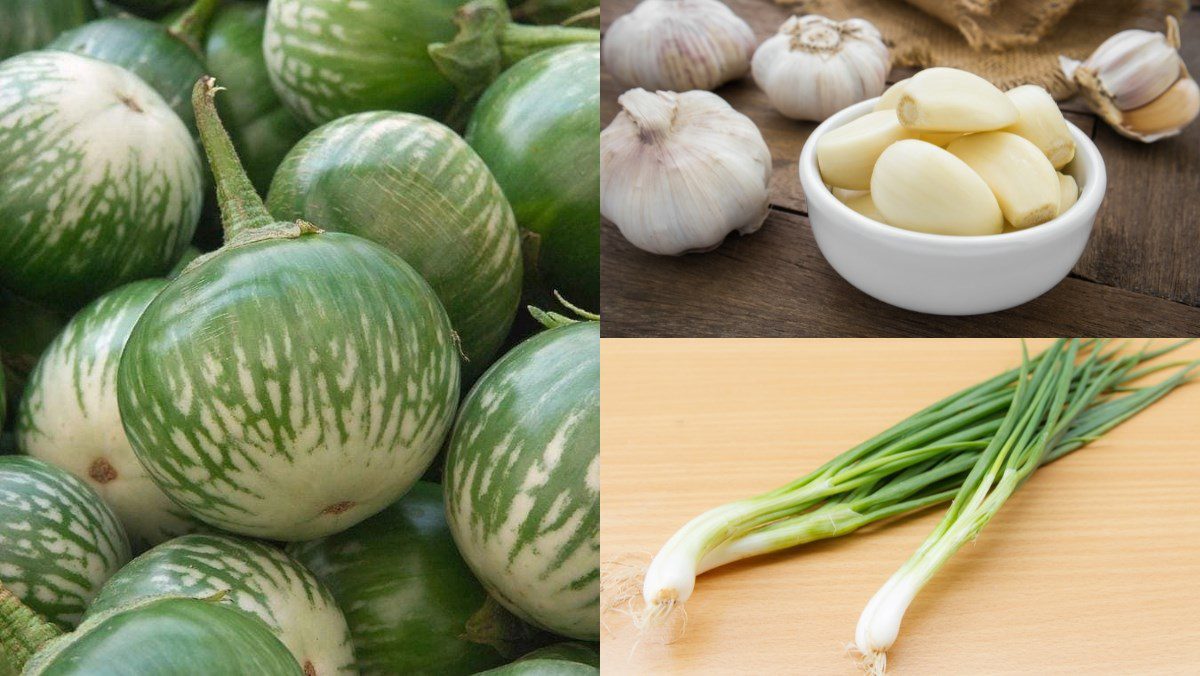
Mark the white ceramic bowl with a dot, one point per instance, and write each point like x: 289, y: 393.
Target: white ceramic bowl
x: 945, y: 274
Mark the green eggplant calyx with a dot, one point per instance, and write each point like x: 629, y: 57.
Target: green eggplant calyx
x: 488, y: 42
x: 282, y: 230
x: 243, y: 214
x: 191, y: 26
x: 492, y: 625
x: 553, y: 320
x: 22, y: 631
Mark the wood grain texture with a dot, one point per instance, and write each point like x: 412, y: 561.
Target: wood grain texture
x: 1090, y: 568
x: 775, y: 283
x: 1140, y: 273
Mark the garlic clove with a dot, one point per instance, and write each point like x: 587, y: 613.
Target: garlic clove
x: 1134, y: 67
x: 863, y: 204
x: 1019, y: 175
x: 891, y: 96
x: 948, y: 99
x: 1042, y: 123
x: 847, y: 154
x: 1068, y: 192
x: 679, y: 172
x: 1165, y: 116
x: 940, y: 139
x: 814, y: 66
x: 678, y: 45
x: 919, y: 186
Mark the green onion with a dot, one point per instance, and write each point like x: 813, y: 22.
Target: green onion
x: 920, y: 462
x: 1056, y: 401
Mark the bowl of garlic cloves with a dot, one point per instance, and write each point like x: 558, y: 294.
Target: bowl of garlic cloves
x: 948, y: 196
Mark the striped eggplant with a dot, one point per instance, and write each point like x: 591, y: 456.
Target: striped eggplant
x: 538, y: 129
x: 58, y: 540
x: 101, y: 180
x: 539, y: 666
x: 413, y: 605
x: 331, y: 58
x: 165, y: 636
x: 523, y: 480
x: 30, y: 24
x: 262, y: 129
x: 413, y: 185
x: 257, y: 578
x: 292, y: 383
x: 166, y: 57
x: 69, y: 418
x: 571, y: 651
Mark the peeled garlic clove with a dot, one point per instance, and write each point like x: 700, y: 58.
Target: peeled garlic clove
x: 679, y: 172
x: 864, y: 205
x: 1068, y: 192
x: 891, y: 96
x: 814, y: 66
x: 678, y: 45
x: 940, y: 139
x: 1042, y: 123
x: 1165, y: 116
x: 847, y: 154
x: 919, y: 186
x: 1019, y: 175
x: 948, y: 99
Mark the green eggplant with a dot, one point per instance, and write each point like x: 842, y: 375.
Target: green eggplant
x: 412, y: 604
x: 538, y: 129
x: 414, y: 186
x: 330, y: 58
x: 295, y: 381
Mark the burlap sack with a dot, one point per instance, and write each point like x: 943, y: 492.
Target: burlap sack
x: 997, y: 24
x: 920, y: 40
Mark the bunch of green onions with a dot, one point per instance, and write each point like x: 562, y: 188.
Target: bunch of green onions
x: 1045, y: 409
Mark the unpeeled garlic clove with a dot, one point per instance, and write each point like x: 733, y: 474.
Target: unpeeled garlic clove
x: 678, y: 45
x: 1018, y: 174
x: 814, y: 66
x: 948, y: 99
x: 1068, y: 192
x: 1165, y: 116
x: 679, y: 172
x: 1042, y: 123
x: 847, y: 154
x: 919, y: 186
x: 1131, y: 68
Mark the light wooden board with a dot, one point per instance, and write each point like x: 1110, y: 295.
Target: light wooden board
x: 1092, y: 567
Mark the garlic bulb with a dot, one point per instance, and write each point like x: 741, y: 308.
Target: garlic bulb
x: 678, y: 45
x: 814, y: 67
x: 1138, y: 83
x: 679, y: 172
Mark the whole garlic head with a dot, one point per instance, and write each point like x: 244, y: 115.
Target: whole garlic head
x: 678, y: 45
x: 679, y: 172
x: 1138, y: 83
x: 814, y: 66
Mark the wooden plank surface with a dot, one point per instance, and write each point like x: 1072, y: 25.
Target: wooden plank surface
x: 776, y: 283
x: 1090, y: 568
x: 1140, y: 273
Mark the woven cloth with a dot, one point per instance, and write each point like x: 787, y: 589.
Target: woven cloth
x: 1009, y: 42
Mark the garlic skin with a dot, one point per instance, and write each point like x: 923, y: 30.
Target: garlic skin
x: 814, y: 66
x: 1132, y: 80
x: 678, y: 45
x: 679, y: 172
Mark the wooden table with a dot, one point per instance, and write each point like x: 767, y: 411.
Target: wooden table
x: 1091, y: 567
x: 1140, y: 274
